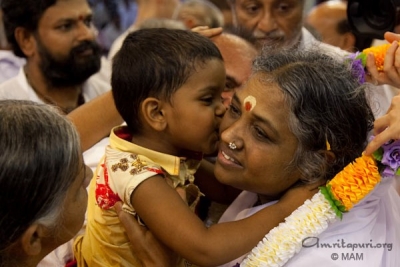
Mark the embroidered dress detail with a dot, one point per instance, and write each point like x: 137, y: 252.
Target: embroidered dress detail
x: 123, y: 165
x: 118, y: 170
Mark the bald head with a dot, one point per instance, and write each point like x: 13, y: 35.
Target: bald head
x: 155, y: 9
x: 329, y: 20
x: 238, y: 55
x: 199, y: 13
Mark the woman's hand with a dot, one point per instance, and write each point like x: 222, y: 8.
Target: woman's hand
x: 147, y: 249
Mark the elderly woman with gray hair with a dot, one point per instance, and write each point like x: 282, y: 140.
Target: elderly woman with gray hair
x: 42, y: 182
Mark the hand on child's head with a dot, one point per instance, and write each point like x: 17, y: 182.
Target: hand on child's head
x: 206, y: 31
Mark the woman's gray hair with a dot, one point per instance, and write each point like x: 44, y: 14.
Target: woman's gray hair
x: 40, y: 159
x: 327, y: 105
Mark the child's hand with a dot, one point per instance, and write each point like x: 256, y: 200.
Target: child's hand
x: 386, y: 127
x: 147, y: 249
x: 206, y: 31
x: 296, y: 196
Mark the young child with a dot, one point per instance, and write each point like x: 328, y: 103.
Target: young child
x: 167, y: 86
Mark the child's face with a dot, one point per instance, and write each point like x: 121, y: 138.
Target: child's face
x: 196, y: 109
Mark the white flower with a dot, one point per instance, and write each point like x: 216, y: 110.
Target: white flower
x: 285, y: 240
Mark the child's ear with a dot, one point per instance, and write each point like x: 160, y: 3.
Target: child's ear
x: 31, y: 240
x: 153, y: 113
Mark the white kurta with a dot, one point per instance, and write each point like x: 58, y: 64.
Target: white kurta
x: 9, y: 65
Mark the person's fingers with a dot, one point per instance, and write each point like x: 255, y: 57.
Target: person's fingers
x: 148, y: 250
x: 302, y: 191
x: 372, y: 146
x: 390, y: 133
x: 381, y: 124
x: 386, y: 127
x: 199, y: 28
x: 373, y: 73
x: 370, y: 64
x: 118, y: 207
x: 314, y: 187
x: 390, y: 66
x: 397, y: 57
x: 389, y: 56
x: 391, y: 73
x: 182, y: 192
x: 132, y: 227
x: 391, y: 37
x: 377, y: 142
x: 207, y: 32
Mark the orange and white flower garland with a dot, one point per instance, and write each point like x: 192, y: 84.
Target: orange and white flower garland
x: 339, y: 195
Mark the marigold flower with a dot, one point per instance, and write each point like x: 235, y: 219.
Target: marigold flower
x: 379, y: 54
x: 355, y: 181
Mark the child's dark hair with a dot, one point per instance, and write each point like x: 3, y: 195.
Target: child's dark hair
x: 155, y: 63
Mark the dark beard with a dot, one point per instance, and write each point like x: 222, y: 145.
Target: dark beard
x: 72, y: 70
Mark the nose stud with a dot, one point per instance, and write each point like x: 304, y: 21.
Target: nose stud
x: 232, y: 145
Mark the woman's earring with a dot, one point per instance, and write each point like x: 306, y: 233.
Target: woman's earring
x: 232, y: 145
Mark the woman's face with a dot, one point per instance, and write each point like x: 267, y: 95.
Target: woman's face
x: 75, y: 204
x: 257, y: 122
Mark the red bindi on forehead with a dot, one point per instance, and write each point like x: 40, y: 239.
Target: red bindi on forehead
x: 249, y: 103
x: 247, y: 106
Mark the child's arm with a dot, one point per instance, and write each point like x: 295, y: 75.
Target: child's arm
x: 172, y: 222
x: 95, y: 119
x: 211, y: 187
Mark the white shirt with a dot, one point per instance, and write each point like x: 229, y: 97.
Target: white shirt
x: 9, y: 65
x: 18, y: 88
